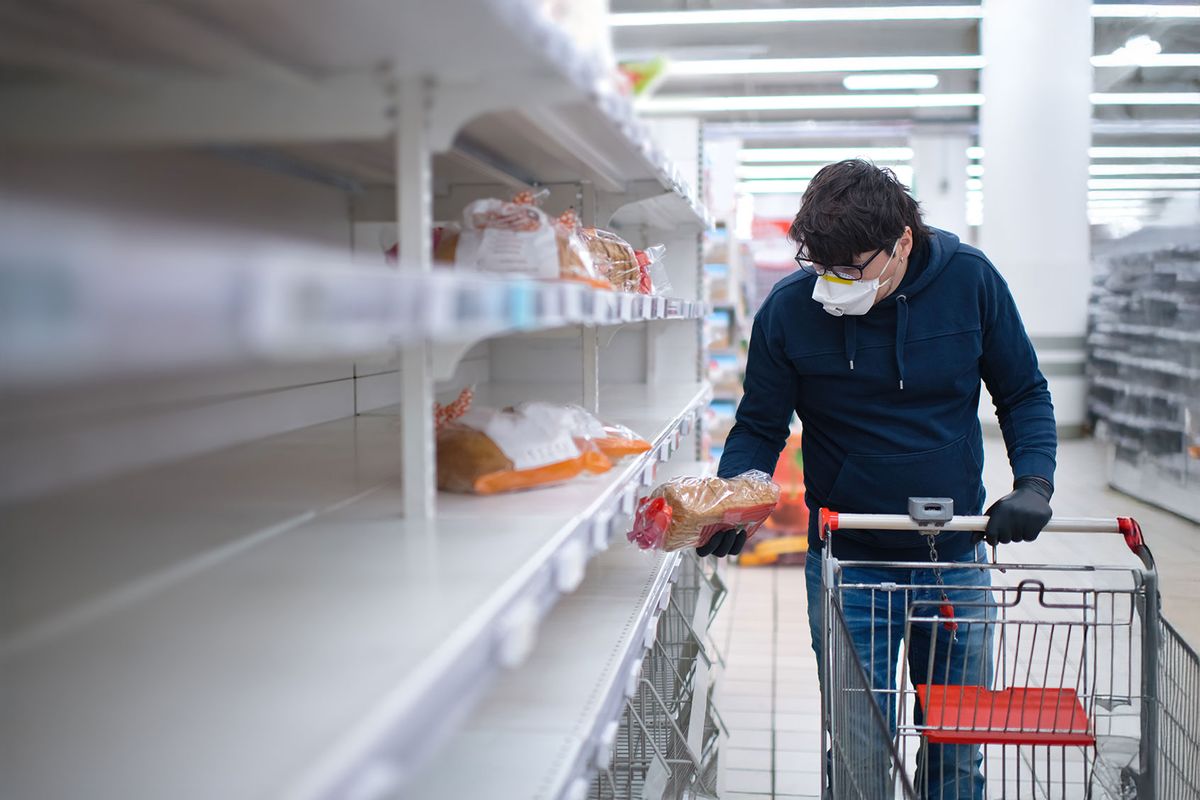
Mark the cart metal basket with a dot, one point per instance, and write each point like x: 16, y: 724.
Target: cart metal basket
x: 1004, y: 680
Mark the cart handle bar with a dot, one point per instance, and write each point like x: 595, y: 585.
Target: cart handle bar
x: 1126, y: 526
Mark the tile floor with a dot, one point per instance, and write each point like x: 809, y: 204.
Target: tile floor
x: 768, y: 694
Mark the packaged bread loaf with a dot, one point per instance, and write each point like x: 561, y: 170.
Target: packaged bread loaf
x: 515, y: 236
x: 485, y: 451
x: 576, y: 260
x: 614, y: 441
x: 686, y: 512
x: 614, y: 258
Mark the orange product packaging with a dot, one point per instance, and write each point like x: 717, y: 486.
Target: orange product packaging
x: 613, y: 440
x: 487, y: 451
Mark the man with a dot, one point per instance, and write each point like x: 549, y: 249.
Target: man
x: 879, y: 345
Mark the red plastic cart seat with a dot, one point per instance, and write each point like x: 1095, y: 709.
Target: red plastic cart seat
x: 975, y: 715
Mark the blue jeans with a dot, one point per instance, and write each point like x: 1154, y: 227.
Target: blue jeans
x: 876, y: 621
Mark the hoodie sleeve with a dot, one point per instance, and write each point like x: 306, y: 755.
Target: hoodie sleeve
x: 1010, y: 371
x: 768, y: 402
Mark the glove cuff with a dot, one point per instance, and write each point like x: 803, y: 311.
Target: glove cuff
x: 1036, y: 483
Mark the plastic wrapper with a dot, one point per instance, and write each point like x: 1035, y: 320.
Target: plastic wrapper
x: 487, y: 451
x: 614, y: 441
x: 515, y: 236
x: 686, y: 512
x: 652, y: 274
x: 615, y: 258
x: 576, y: 259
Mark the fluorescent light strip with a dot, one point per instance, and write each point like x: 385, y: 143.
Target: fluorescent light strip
x: 1144, y: 152
x: 1131, y: 194
x: 773, y: 187
x: 824, y: 155
x: 870, y: 14
x: 804, y: 172
x: 976, y: 170
x: 798, y: 102
x: 771, y: 66
x: 976, y: 153
x: 1144, y: 183
x: 760, y: 16
x: 794, y: 66
x: 1140, y: 11
x: 1144, y: 169
x: 899, y: 80
x: 1156, y: 60
x: 1145, y: 98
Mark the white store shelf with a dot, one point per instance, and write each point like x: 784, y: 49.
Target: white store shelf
x: 271, y: 73
x: 219, y: 627
x: 124, y: 310
x: 535, y: 736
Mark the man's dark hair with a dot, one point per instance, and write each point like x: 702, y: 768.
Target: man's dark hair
x: 854, y: 207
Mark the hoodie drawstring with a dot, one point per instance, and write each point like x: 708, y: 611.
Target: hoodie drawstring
x: 901, y: 333
x: 850, y: 330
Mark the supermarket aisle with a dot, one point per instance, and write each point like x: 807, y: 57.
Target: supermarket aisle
x: 768, y: 695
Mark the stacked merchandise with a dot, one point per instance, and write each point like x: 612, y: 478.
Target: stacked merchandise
x: 517, y: 237
x: 725, y: 334
x: 487, y: 451
x: 1144, y: 368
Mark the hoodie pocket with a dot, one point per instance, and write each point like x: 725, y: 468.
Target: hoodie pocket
x: 882, y: 484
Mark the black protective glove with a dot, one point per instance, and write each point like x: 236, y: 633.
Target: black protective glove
x: 1021, y: 514
x: 723, y: 543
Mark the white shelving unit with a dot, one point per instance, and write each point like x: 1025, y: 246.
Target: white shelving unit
x: 545, y: 729
x: 226, y: 569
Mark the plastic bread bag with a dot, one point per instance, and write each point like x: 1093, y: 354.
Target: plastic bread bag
x: 614, y: 441
x: 652, y: 277
x: 576, y: 260
x: 504, y: 236
x: 486, y: 451
x: 614, y: 258
x: 686, y: 512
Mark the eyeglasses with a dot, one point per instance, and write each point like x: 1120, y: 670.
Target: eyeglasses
x: 850, y: 272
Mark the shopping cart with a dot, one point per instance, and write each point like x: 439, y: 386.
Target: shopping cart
x: 988, y: 680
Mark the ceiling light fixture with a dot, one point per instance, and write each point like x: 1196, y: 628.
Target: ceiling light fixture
x: 1144, y: 11
x: 1131, y: 151
x: 1146, y: 98
x: 871, y: 83
x: 824, y: 155
x: 779, y: 66
x: 1144, y: 183
x: 1144, y: 169
x: 761, y: 16
x: 976, y: 170
x: 773, y: 187
x: 801, y: 102
x: 1119, y: 59
x: 806, y: 172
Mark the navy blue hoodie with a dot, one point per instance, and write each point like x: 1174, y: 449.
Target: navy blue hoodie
x: 889, y: 400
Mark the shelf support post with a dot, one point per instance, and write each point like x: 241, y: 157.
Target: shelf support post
x: 414, y: 221
x: 591, y: 368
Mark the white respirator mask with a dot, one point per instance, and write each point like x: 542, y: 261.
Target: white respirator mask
x: 852, y: 298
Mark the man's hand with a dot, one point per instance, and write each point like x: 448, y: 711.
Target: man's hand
x: 723, y: 543
x: 1021, y: 514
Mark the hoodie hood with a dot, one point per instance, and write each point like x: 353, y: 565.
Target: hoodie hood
x: 936, y: 253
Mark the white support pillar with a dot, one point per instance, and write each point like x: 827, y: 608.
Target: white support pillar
x: 940, y: 177
x: 414, y: 223
x: 1035, y: 128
